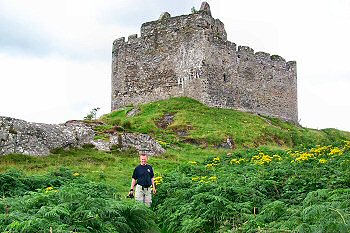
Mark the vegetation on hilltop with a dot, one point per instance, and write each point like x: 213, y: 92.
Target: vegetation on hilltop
x: 279, y: 177
x: 191, y: 121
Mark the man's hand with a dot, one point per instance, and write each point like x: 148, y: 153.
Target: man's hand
x: 154, y: 191
x: 131, y: 194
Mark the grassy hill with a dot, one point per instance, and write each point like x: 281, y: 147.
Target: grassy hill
x: 277, y: 177
x: 196, y: 123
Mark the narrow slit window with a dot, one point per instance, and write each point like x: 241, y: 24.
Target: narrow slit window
x: 225, y: 78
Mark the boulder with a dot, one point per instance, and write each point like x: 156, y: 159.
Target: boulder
x: 38, y: 139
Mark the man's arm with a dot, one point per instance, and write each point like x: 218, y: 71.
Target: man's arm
x: 153, y: 186
x: 133, y: 182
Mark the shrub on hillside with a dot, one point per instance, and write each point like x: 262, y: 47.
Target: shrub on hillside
x: 260, y: 190
x: 72, y: 205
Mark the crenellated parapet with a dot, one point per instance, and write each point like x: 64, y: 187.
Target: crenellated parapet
x: 189, y: 55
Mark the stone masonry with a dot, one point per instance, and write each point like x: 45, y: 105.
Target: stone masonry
x: 189, y: 55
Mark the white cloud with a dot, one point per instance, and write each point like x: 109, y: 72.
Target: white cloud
x: 51, y: 89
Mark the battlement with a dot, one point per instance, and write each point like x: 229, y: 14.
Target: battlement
x: 184, y: 24
x: 189, y: 55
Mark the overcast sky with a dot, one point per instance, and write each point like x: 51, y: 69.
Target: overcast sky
x: 55, y: 56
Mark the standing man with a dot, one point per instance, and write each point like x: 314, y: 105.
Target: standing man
x: 143, y: 178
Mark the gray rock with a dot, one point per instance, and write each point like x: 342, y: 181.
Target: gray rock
x: 165, y: 121
x: 38, y: 139
x: 143, y: 143
x: 229, y: 144
x: 133, y: 112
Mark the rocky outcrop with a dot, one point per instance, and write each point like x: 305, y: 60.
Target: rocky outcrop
x: 38, y: 139
x: 141, y: 142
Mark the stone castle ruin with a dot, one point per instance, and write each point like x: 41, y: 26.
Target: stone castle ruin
x: 189, y: 55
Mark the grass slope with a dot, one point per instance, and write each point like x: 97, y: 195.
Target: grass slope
x: 204, y: 125
x: 195, y: 166
x: 203, y: 129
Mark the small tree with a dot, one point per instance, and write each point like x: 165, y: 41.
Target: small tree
x: 193, y: 10
x: 92, y: 114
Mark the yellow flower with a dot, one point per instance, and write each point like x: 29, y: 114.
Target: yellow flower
x: 322, y: 161
x: 209, y: 165
x: 304, y: 157
x: 290, y: 152
x: 49, y: 189
x: 266, y: 159
x: 234, y: 161
x: 261, y: 159
x: 158, y: 180
x: 216, y: 160
x: 76, y: 174
x: 195, y: 178
x: 213, y: 178
x: 193, y: 162
x: 162, y: 143
x: 336, y: 151
x: 237, y: 161
x: 320, y: 150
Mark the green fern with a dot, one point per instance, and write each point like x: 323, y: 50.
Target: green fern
x: 78, y: 205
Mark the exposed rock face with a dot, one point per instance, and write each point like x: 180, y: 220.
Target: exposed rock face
x: 165, y: 121
x: 19, y: 136
x: 229, y: 144
x: 141, y: 142
x: 133, y: 112
x: 189, y: 55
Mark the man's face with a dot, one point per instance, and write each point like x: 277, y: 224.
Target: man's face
x: 143, y: 159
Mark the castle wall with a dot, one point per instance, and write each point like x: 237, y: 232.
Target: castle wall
x: 253, y: 82
x: 164, y: 62
x: 189, y: 55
